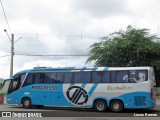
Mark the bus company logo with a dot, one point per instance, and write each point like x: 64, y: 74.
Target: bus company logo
x: 77, y: 95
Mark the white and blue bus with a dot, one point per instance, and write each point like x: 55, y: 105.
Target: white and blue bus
x: 116, y: 88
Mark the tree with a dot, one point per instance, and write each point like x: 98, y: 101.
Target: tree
x: 129, y: 48
x: 1, y: 80
x: 1, y: 83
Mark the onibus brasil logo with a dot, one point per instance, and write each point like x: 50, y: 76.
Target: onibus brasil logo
x: 77, y: 95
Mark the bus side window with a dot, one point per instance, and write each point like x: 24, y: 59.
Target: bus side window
x: 42, y: 78
x: 37, y: 78
x: 86, y: 77
x: 50, y: 77
x: 29, y: 80
x: 96, y: 77
x: 138, y: 76
x: 122, y: 76
x: 22, y: 78
x: 106, y: 77
x: 60, y: 77
x: 68, y: 77
x: 113, y: 78
x: 78, y: 77
x: 132, y: 76
x: 142, y: 75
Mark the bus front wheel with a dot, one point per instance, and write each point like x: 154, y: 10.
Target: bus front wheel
x: 26, y: 103
x: 100, y: 105
x: 116, y: 106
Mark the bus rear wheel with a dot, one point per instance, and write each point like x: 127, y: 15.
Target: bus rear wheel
x: 116, y: 106
x: 26, y: 103
x: 100, y: 105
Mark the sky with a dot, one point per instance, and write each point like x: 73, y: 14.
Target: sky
x: 66, y: 27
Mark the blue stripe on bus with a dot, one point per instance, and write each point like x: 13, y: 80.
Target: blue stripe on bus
x: 94, y: 69
x: 64, y: 69
x: 106, y: 69
x: 92, y: 89
x: 83, y: 85
x: 84, y: 68
x: 71, y: 84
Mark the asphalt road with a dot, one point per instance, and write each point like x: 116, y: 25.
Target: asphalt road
x: 74, y: 112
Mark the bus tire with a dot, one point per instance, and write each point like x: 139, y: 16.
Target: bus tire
x: 116, y: 106
x: 100, y: 105
x: 26, y: 103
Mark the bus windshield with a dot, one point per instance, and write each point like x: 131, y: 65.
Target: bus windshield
x: 16, y: 82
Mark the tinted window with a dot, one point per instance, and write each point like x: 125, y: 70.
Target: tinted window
x: 113, y: 76
x: 37, y: 78
x: 86, y: 77
x: 42, y: 78
x: 22, y: 77
x: 128, y: 76
x: 142, y: 75
x: 96, y: 77
x: 78, y: 77
x: 50, y: 77
x: 33, y: 78
x: 60, y: 77
x: 29, y: 79
x: 68, y: 77
x: 106, y: 77
x: 132, y: 76
x: 122, y: 77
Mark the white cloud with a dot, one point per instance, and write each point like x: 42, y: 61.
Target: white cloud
x: 29, y: 26
x: 101, y: 8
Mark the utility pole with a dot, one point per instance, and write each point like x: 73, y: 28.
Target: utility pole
x: 12, y: 50
x: 12, y: 54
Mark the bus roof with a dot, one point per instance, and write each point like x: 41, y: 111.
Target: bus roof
x: 78, y: 69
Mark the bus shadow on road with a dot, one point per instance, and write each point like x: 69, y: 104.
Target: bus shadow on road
x: 50, y: 108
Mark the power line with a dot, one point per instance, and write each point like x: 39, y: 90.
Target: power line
x: 4, y: 56
x: 45, y: 55
x: 50, y: 55
x: 51, y: 35
x: 5, y: 16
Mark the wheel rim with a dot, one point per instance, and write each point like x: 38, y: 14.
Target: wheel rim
x: 26, y: 102
x: 100, y: 106
x: 116, y: 106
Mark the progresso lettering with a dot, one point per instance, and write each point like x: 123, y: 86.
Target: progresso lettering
x: 44, y: 87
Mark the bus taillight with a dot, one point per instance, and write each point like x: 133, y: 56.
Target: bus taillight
x: 152, y: 93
